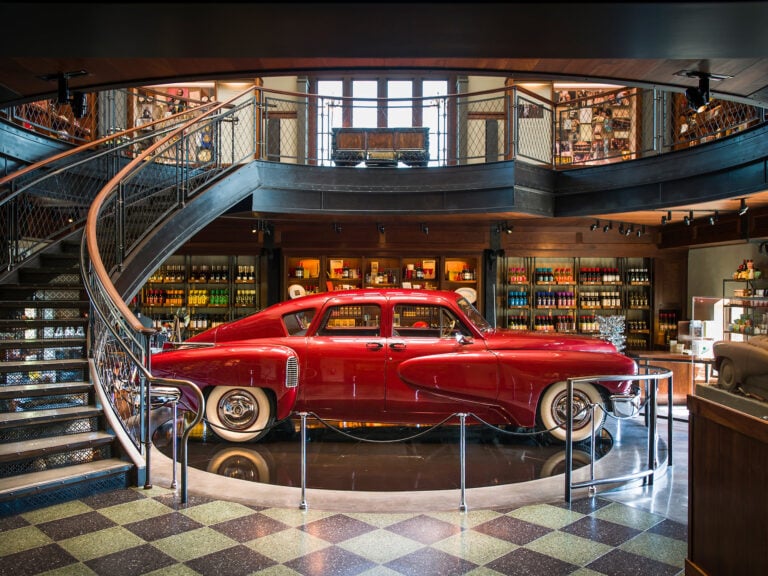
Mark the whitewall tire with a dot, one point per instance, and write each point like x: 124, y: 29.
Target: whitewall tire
x: 553, y: 415
x: 239, y: 414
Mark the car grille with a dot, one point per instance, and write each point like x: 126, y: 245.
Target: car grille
x: 292, y: 372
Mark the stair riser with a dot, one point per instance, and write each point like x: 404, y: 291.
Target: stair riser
x: 62, y: 428
x: 21, y: 351
x: 56, y: 460
x: 42, y: 376
x: 43, y: 293
x: 53, y: 277
x: 14, y: 505
x: 44, y: 402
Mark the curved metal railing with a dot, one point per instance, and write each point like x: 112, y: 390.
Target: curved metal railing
x: 43, y: 203
x: 141, y: 195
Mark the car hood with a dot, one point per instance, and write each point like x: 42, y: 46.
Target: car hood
x: 515, y: 340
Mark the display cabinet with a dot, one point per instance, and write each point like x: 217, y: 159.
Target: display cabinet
x: 745, y: 309
x: 201, y: 291
x: 306, y: 274
x: 567, y: 295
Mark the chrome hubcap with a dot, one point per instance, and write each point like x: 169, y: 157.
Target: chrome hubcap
x: 237, y: 410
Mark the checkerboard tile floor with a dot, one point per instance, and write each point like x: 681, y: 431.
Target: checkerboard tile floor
x: 137, y: 531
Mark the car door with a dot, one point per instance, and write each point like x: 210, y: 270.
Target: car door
x: 428, y: 369
x: 344, y: 362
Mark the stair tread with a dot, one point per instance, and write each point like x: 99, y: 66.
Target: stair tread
x: 11, y: 419
x: 44, y: 342
x: 14, y: 486
x: 44, y: 303
x: 46, y: 389
x: 32, y: 448
x: 43, y: 364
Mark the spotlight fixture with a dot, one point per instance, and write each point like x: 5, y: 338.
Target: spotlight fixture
x: 743, y: 207
x: 688, y: 218
x: 595, y: 225
x: 79, y: 102
x: 380, y: 228
x: 698, y: 97
x: 505, y: 227
x: 640, y: 231
x: 714, y: 218
x: 621, y: 228
x: 630, y: 229
x: 336, y: 227
x: 425, y: 228
x: 262, y: 226
x: 608, y: 226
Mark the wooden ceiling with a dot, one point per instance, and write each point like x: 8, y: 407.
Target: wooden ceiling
x: 632, y: 43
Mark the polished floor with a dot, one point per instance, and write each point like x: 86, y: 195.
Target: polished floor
x: 232, y: 527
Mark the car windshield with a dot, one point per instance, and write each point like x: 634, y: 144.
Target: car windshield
x: 474, y: 316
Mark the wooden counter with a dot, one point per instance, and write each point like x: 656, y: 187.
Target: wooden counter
x: 727, y: 476
x: 686, y: 370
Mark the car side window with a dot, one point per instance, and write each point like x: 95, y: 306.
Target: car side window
x: 297, y: 323
x: 351, y: 320
x: 420, y: 321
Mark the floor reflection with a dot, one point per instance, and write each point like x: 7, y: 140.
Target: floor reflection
x: 379, y: 459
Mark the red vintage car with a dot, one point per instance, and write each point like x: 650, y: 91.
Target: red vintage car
x: 391, y: 356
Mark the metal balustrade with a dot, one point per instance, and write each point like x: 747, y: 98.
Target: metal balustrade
x: 124, y: 185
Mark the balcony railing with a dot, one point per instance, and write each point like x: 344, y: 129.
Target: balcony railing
x: 577, y: 129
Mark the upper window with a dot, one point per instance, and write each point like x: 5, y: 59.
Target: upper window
x: 351, y: 320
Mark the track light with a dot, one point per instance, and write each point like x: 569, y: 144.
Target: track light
x: 714, y: 218
x: 337, y: 227
x: 595, y: 225
x: 504, y: 227
x: 608, y: 226
x: 743, y: 207
x: 688, y: 218
x: 629, y: 230
x: 79, y: 104
x: 640, y: 231
x: 425, y: 228
x: 621, y: 228
x: 380, y: 228
x: 698, y: 97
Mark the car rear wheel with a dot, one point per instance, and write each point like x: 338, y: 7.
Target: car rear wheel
x: 239, y: 414
x: 726, y: 375
x: 553, y: 414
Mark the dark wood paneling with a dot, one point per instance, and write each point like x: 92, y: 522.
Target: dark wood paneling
x: 728, y: 473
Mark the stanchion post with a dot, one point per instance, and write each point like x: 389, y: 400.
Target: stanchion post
x: 568, y: 439
x: 175, y: 412
x: 303, y: 504
x: 147, y: 409
x: 463, y: 460
x: 670, y: 419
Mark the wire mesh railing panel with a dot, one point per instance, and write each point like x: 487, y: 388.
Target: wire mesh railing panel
x: 686, y: 127
x: 533, y: 129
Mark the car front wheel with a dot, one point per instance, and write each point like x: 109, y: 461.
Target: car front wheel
x: 553, y: 414
x: 726, y: 375
x: 239, y: 414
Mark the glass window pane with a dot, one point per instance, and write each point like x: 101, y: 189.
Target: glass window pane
x: 434, y: 117
x: 329, y: 115
x: 399, y: 112
x: 365, y: 111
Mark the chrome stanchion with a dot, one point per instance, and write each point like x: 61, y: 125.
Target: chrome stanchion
x: 303, y: 505
x: 174, y: 436
x: 568, y: 440
x: 463, y: 460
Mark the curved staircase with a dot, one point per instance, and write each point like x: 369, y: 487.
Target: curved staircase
x: 54, y: 442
